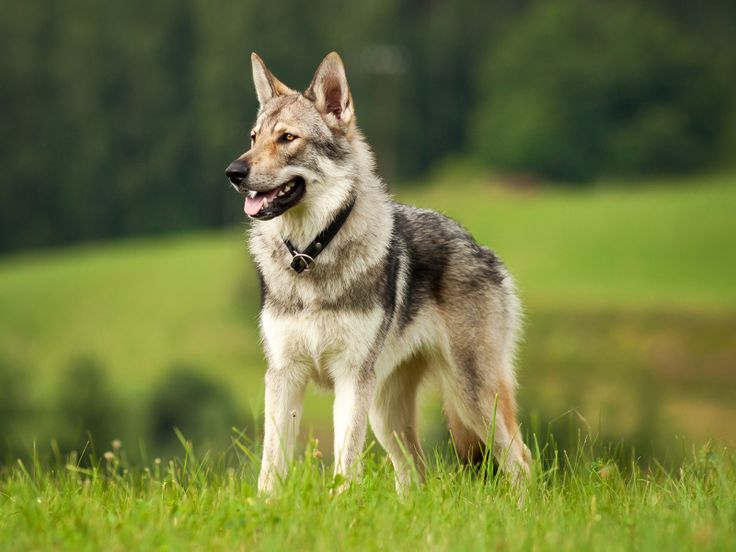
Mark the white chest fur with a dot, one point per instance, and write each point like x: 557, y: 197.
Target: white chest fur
x: 323, y: 344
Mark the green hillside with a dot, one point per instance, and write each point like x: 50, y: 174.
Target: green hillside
x: 621, y: 284
x: 629, y: 243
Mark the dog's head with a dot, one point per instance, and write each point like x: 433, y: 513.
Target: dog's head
x: 296, y: 140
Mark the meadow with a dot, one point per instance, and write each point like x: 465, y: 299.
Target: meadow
x: 626, y: 372
x: 622, y: 284
x: 584, y: 504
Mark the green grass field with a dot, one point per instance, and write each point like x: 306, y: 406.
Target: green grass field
x: 581, y: 504
x: 630, y: 294
x: 624, y: 244
x: 617, y: 280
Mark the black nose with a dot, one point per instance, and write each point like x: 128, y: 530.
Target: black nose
x: 237, y: 172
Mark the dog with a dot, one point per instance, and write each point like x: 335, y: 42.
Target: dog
x: 366, y: 296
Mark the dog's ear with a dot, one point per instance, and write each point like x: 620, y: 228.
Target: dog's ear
x: 330, y: 92
x: 267, y: 86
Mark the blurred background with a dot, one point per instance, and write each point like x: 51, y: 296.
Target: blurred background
x: 591, y: 143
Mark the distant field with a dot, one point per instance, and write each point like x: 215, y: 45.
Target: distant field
x: 624, y: 244
x: 622, y: 284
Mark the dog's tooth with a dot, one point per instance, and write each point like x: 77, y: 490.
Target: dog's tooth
x: 265, y: 204
x: 282, y: 192
x: 252, y: 193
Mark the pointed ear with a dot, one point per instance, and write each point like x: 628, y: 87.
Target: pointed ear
x: 330, y: 92
x: 267, y: 86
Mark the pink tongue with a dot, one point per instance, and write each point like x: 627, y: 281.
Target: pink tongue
x: 253, y: 204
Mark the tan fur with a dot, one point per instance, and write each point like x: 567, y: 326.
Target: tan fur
x: 366, y: 321
x: 468, y: 445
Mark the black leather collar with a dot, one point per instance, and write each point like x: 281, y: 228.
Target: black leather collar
x: 303, y: 261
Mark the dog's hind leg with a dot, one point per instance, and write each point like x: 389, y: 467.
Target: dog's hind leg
x: 509, y: 449
x: 479, y: 400
x: 468, y: 445
x: 393, y: 420
x: 478, y: 382
x: 489, y: 413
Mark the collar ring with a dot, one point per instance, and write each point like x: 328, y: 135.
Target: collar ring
x: 301, y: 262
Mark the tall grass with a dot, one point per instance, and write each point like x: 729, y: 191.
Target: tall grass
x: 579, y: 502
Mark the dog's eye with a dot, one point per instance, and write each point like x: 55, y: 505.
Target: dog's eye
x: 252, y: 138
x: 287, y: 137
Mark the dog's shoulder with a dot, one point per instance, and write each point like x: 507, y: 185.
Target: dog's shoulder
x: 429, y: 233
x: 442, y: 258
x: 425, y: 227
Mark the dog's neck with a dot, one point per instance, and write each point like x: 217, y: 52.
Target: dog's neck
x: 302, y: 223
x: 346, y: 182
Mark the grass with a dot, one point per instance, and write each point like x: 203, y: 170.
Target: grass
x: 140, y: 304
x: 580, y: 503
x: 627, y: 282
x: 631, y: 309
x: 136, y: 305
x: 633, y: 244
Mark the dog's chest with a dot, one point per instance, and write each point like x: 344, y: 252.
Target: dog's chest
x: 324, y: 341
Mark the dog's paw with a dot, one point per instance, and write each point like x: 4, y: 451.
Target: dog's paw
x: 339, y: 485
x: 266, y: 483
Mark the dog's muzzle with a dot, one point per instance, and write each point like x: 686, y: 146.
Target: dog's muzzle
x: 237, y: 172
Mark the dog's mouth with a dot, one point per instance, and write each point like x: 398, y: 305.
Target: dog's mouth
x: 271, y: 204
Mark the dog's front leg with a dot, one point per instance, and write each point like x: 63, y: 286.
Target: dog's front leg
x: 353, y: 397
x: 283, y: 411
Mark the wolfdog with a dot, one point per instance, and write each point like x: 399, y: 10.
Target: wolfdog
x: 366, y: 296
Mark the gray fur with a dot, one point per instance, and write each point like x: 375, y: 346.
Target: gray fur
x: 400, y: 294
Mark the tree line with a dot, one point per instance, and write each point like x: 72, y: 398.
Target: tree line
x: 118, y: 118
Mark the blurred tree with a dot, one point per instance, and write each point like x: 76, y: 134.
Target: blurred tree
x: 86, y: 407
x: 202, y: 409
x: 578, y: 89
x: 118, y: 117
x: 14, y: 407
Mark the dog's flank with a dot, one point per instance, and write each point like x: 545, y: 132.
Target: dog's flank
x: 400, y: 295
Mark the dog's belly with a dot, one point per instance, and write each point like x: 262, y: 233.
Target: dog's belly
x: 326, y: 345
